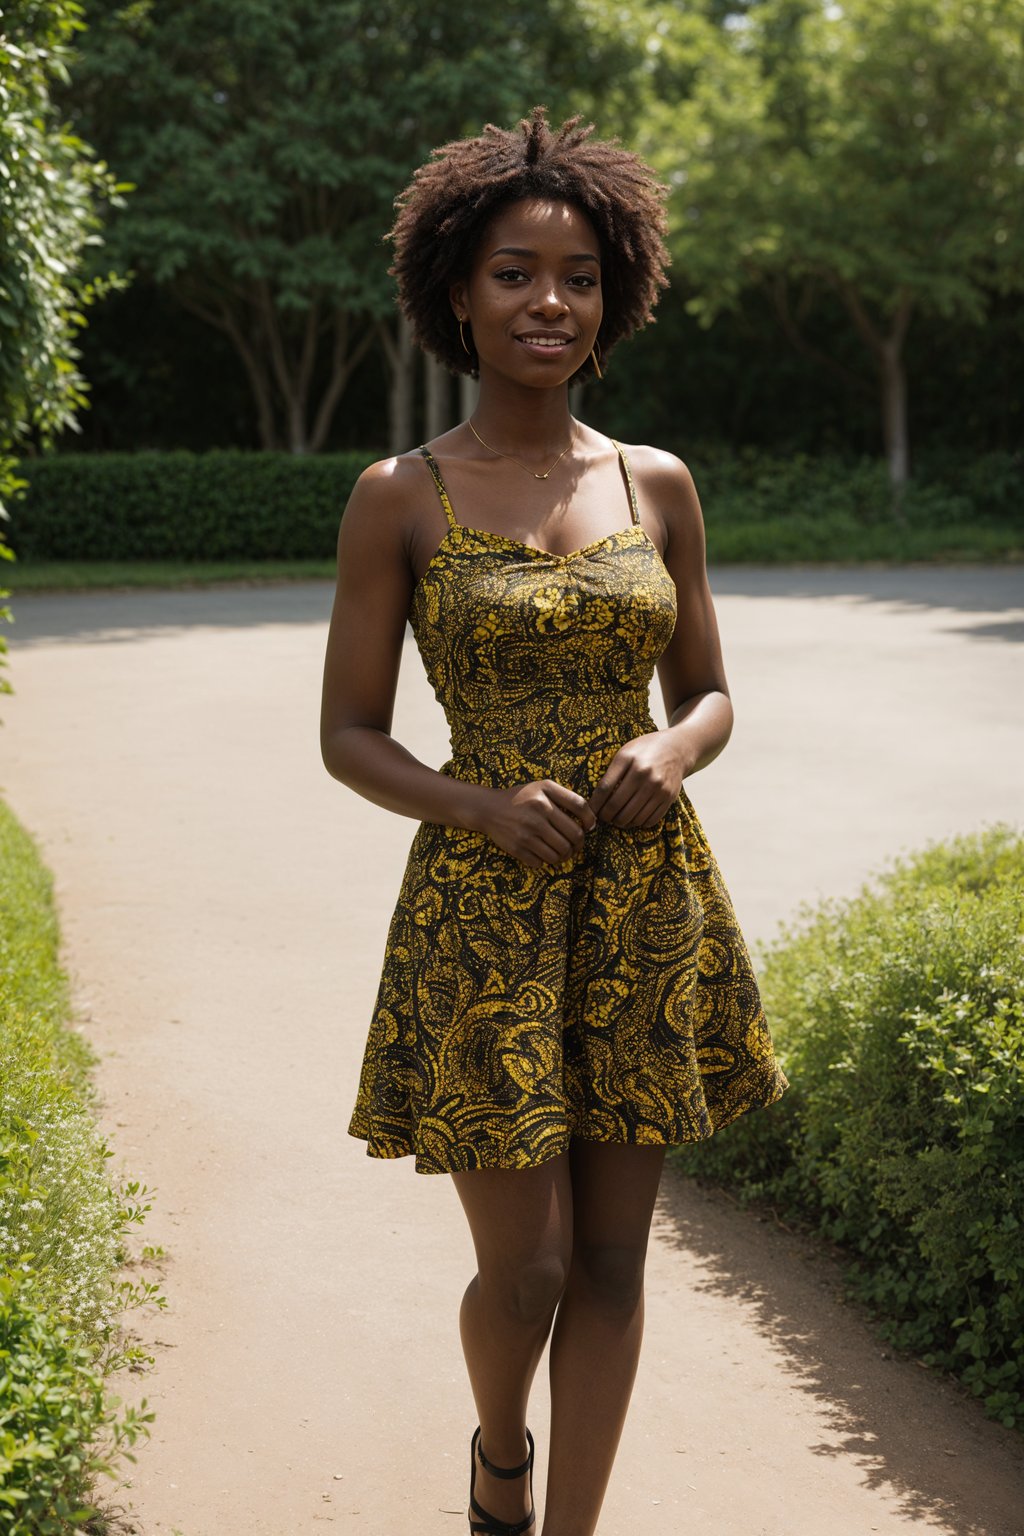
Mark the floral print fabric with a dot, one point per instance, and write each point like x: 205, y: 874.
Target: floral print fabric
x: 610, y: 997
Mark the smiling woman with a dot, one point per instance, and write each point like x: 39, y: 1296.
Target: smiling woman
x: 565, y: 992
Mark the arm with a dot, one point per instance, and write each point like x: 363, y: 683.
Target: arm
x: 538, y: 823
x: 364, y: 650
x: 646, y: 775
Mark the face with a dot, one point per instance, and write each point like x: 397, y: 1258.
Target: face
x: 533, y: 298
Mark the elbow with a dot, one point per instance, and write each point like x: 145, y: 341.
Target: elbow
x: 349, y: 751
x: 333, y: 751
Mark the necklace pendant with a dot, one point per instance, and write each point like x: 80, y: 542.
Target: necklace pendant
x: 541, y: 477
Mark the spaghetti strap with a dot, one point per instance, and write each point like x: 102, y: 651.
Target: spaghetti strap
x: 633, y: 510
x: 436, y: 473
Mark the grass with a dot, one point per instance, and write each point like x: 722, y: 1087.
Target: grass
x: 90, y: 575
x: 803, y: 540
x: 797, y: 539
x: 63, y: 1226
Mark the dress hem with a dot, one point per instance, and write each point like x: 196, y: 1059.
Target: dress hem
x: 425, y: 1166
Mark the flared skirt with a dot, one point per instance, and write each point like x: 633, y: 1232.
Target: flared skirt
x: 610, y: 998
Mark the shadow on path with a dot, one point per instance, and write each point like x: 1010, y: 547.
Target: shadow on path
x: 901, y: 1424
x: 99, y: 617
x: 966, y: 589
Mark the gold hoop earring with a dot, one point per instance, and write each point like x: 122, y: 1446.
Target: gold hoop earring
x: 595, y: 359
x: 462, y: 338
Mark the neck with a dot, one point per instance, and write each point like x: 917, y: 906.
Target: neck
x: 533, y: 424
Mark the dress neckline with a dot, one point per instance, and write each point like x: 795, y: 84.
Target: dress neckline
x: 460, y: 531
x: 550, y: 554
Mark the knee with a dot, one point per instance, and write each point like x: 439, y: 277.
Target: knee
x: 529, y: 1291
x: 612, y: 1276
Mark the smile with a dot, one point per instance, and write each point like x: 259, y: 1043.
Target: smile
x: 545, y: 343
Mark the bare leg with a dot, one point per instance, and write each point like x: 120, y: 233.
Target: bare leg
x: 521, y: 1221
x: 595, y: 1345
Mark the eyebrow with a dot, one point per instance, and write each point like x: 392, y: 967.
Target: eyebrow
x: 518, y: 250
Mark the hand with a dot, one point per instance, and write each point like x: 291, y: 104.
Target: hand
x: 640, y: 783
x: 539, y: 823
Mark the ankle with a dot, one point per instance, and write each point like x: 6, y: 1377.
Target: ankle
x: 503, y: 1449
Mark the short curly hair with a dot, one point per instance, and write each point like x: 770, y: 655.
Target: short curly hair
x: 443, y: 212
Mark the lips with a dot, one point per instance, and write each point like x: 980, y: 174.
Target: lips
x: 545, y: 343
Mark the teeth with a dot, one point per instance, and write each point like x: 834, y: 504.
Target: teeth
x: 544, y: 341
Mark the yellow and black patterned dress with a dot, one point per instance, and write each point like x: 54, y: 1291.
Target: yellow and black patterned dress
x: 610, y: 997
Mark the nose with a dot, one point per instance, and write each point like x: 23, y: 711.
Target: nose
x: 547, y: 300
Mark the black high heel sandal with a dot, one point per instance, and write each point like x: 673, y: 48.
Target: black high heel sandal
x: 485, y: 1524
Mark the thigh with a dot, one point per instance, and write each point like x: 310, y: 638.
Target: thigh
x: 614, y: 1189
x: 518, y: 1215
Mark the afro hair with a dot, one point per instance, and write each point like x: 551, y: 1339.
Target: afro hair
x: 445, y: 209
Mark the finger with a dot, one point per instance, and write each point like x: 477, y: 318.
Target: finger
x: 603, y: 793
x: 634, y: 810
x: 620, y: 793
x: 551, y: 849
x: 565, y: 826
x: 569, y: 802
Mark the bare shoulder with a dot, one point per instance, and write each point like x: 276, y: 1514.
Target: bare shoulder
x: 666, y: 491
x: 389, y: 484
x: 661, y: 473
x: 387, y: 492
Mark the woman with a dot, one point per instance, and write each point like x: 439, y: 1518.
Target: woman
x: 565, y: 992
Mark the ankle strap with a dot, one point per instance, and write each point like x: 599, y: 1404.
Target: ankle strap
x: 489, y: 1466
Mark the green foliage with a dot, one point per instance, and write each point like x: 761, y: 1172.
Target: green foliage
x: 59, y: 1428
x: 222, y: 505
x: 267, y: 144
x: 898, y: 1016
x: 865, y: 155
x: 764, y: 508
x: 63, y: 1230
x: 50, y: 189
x: 231, y: 505
x: 871, y: 148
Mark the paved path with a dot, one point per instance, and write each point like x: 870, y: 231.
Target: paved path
x: 224, y: 905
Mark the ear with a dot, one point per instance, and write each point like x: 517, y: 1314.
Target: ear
x: 457, y: 294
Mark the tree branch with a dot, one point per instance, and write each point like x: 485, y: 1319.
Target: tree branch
x: 779, y: 291
x: 343, y: 364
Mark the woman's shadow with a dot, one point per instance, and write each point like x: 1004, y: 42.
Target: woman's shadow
x: 904, y: 1426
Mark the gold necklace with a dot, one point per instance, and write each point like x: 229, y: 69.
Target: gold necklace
x: 511, y: 456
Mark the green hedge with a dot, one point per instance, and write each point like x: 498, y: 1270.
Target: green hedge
x: 222, y: 505
x: 62, y: 1227
x: 899, y: 1018
x: 231, y: 504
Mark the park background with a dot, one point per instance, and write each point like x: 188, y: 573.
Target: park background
x: 199, y: 350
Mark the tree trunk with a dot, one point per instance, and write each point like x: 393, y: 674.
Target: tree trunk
x: 343, y: 363
x: 887, y: 350
x: 894, y: 414
x: 254, y: 361
x: 261, y: 342
x: 437, y: 398
x: 398, y: 349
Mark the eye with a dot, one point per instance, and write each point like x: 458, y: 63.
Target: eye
x: 509, y: 273
x: 584, y: 280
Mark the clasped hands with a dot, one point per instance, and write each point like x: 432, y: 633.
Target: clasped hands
x: 543, y: 822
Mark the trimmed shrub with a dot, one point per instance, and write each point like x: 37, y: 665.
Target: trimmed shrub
x: 62, y: 1230
x: 898, y: 1016
x: 766, y: 509
x: 237, y: 505
x: 59, y: 1429
x: 223, y: 505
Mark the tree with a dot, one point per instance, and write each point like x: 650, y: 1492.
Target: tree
x: 267, y: 143
x: 871, y: 151
x: 51, y: 191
